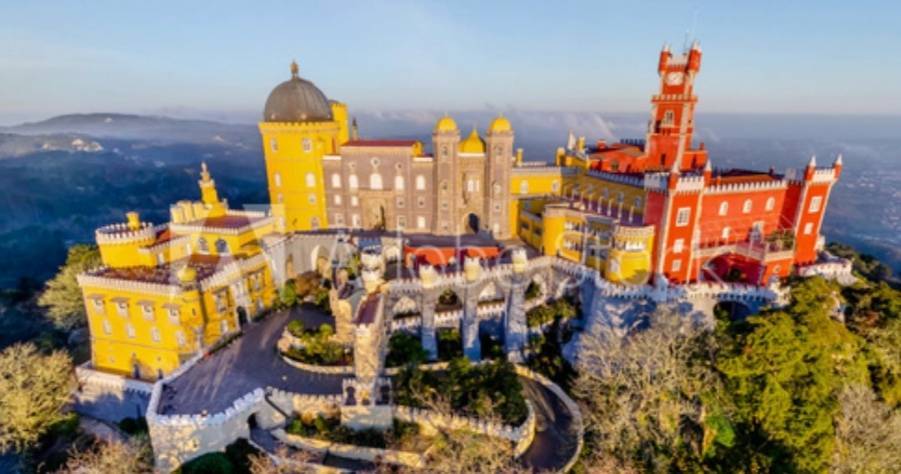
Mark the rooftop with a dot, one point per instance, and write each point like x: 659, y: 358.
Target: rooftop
x: 204, y: 265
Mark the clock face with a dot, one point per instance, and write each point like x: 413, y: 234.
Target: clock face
x: 674, y: 78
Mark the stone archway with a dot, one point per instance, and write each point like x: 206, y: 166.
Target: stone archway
x: 405, y: 306
x: 730, y: 268
x: 320, y: 261
x: 473, y: 224
x: 732, y: 310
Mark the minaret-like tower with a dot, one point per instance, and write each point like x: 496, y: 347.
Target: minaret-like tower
x: 208, y: 193
x: 445, y: 145
x: 498, y: 168
x: 671, y: 125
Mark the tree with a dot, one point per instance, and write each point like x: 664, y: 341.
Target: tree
x: 285, y: 462
x: 287, y: 296
x: 114, y: 457
x: 867, y: 433
x: 34, y: 389
x: 62, y: 297
x: 651, y: 398
x: 785, y: 371
x: 463, y: 452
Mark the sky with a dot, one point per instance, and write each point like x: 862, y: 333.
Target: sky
x: 219, y: 57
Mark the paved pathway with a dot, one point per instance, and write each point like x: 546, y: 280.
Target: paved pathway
x: 556, y: 437
x: 250, y: 362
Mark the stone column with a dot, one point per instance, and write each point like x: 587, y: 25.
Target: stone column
x: 515, y: 327
x: 428, y: 298
x: 472, y: 347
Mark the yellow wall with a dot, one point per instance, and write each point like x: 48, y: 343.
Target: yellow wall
x: 629, y: 259
x: 295, y: 203
x: 113, y: 349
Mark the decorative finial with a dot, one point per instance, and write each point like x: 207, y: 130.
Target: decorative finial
x: 204, y: 172
x: 813, y: 161
x: 294, y: 69
x: 838, y: 160
x: 708, y: 166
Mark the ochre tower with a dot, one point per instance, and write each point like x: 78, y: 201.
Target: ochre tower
x: 672, y: 112
x: 300, y: 126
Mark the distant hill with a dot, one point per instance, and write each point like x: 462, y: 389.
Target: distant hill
x: 141, y: 127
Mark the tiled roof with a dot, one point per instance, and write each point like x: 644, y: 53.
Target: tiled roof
x: 204, y: 265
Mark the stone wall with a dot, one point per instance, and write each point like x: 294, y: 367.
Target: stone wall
x: 349, y: 451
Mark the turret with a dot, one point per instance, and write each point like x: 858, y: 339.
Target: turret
x: 811, y: 168
x: 520, y: 260
x: 427, y: 276
x: 837, y: 166
x: 665, y: 56
x: 120, y: 243
x: 694, y: 57
x: 708, y: 173
x: 472, y: 268
x: 208, y: 193
x: 519, y: 157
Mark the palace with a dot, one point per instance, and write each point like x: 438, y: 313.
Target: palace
x: 637, y: 211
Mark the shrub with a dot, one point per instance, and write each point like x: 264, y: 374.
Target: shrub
x: 405, y: 349
x: 209, y: 463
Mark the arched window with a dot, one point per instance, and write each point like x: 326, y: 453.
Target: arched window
x: 314, y: 223
x: 336, y: 180
x: 277, y: 178
x: 724, y: 208
x: 375, y: 181
x: 398, y: 183
x: 273, y: 144
x: 311, y: 180
x: 307, y: 145
x: 352, y: 181
x: 770, y: 203
x: 221, y: 247
x: 203, y: 246
x: 523, y: 187
x: 746, y: 208
x: 637, y: 203
x: 726, y: 232
x: 420, y: 183
x: 668, y: 117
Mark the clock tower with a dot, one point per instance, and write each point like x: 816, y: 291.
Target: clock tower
x: 672, y: 113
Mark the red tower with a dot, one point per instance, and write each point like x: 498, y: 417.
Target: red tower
x: 671, y: 125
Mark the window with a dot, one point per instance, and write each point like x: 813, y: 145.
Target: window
x: 815, y: 203
x: 420, y: 222
x: 354, y: 201
x: 725, y: 234
x: 336, y: 180
x: 339, y: 219
x: 637, y: 203
x: 173, y: 315
x: 470, y: 185
x: 420, y: 201
x: 746, y: 208
x: 808, y: 228
x: 420, y: 183
x: 668, y: 117
x: 353, y: 182
x: 147, y: 311
x: 400, y: 202
x: 311, y: 180
x: 337, y: 199
x: 98, y: 304
x: 221, y: 247
x: 280, y: 198
x: 555, y: 186
x: 682, y: 216
x: 678, y: 245
x: 203, y: 246
x: 311, y: 198
x: 724, y: 208
x: 620, y: 197
x: 677, y: 265
x: 770, y: 203
x: 307, y: 145
x: 130, y: 330
x: 107, y: 327
x: 122, y: 308
x: 277, y: 179
x: 273, y: 144
x: 155, y: 334
x: 355, y: 220
x: 401, y: 222
x: 314, y: 223
x: 398, y: 183
x: 375, y: 181
x: 375, y: 161
x: 180, y: 338
x: 523, y: 187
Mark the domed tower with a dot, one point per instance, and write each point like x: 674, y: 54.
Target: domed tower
x: 445, y: 145
x: 498, y: 168
x: 300, y: 126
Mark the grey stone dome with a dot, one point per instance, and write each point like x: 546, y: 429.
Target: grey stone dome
x: 296, y: 100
